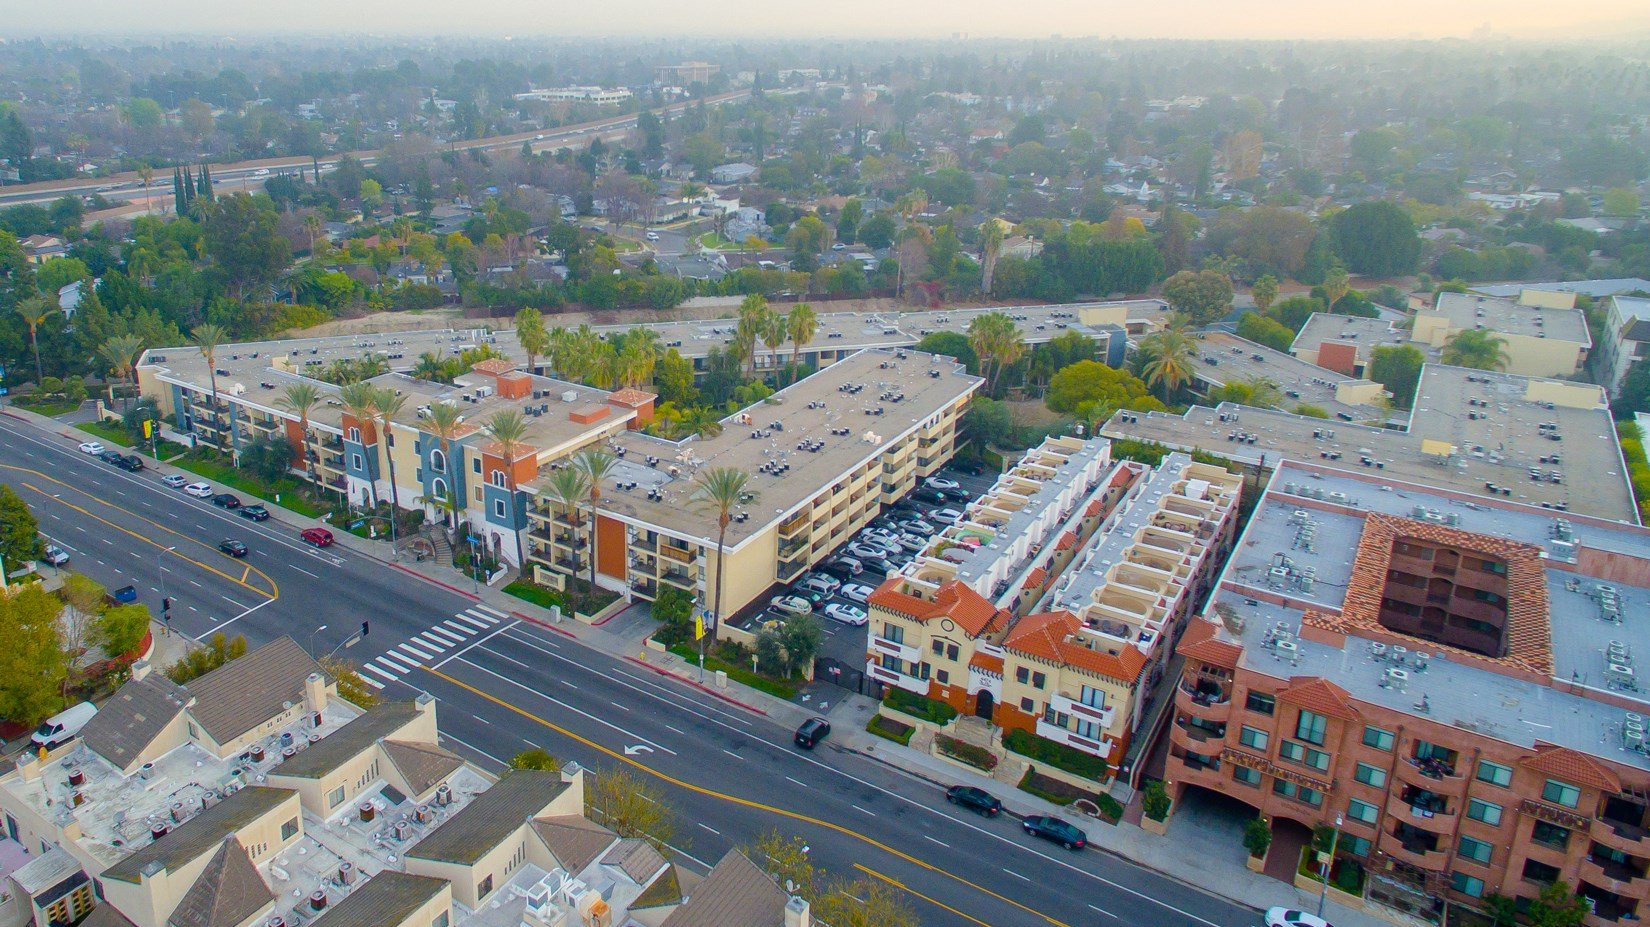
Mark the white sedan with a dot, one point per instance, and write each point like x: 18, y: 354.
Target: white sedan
x: 847, y: 614
x: 199, y: 490
x: 91, y: 447
x: 939, y: 482
x: 858, y: 592
x: 1288, y: 917
x: 946, y: 516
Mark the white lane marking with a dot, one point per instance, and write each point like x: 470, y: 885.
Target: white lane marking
x: 711, y: 829
x: 303, y: 571
x: 458, y: 653
x: 556, y: 701
x: 665, y: 696
x: 231, y: 601
x: 196, y: 585
x: 1102, y: 911
x: 940, y: 842
x: 482, y: 615
x: 1154, y: 901
x: 618, y: 706
x: 732, y: 754
x: 571, y: 686
x: 677, y: 730
x: 797, y: 781
x: 416, y: 652
x: 1009, y: 871
x: 219, y: 627
x: 503, y: 657
x: 873, y: 814
x: 378, y: 672
x: 447, y: 736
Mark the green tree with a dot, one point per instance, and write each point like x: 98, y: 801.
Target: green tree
x: 1621, y: 201
x: 1167, y: 360
x: 1154, y: 801
x: 19, y: 532
x: 1257, y: 836
x: 951, y: 344
x: 1262, y: 330
x: 847, y: 221
x: 243, y: 240
x: 877, y: 232
x: 595, y: 464
x: 673, y: 378
x: 120, y: 354
x: 1293, y: 312
x: 534, y: 337
x: 1398, y: 368
x: 34, y: 311
x: 1558, y: 906
x: 207, y: 338
x: 673, y: 609
x: 1202, y: 295
x: 1478, y: 348
x: 1634, y: 392
x: 801, y: 324
x: 997, y: 342
x: 508, y: 429
x: 120, y: 629
x: 220, y: 649
x: 1376, y: 238
x: 535, y: 758
x: 33, y: 664
x: 1264, y: 292
x: 631, y: 806
x: 720, y: 490
x: 1090, y: 381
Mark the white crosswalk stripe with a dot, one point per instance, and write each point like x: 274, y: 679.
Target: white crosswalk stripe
x: 476, y: 622
x: 432, y: 642
x: 489, y: 610
x: 461, y: 629
x: 416, y: 652
x: 371, y: 681
x: 444, y: 635
x: 482, y: 615
x: 379, y: 673
x: 399, y: 669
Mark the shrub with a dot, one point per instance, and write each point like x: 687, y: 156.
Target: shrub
x: 542, y: 596
x: 884, y: 726
x: 978, y: 757
x: 1257, y: 836
x: 1155, y: 800
x: 919, y: 706
x: 1057, y: 755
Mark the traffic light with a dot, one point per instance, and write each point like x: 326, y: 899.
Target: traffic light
x: 166, y: 605
x: 363, y: 629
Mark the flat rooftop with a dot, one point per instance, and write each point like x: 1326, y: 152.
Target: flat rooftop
x: 1225, y: 358
x: 1292, y: 530
x: 1446, y: 446
x: 816, y: 412
x: 1365, y: 333
x: 1598, y: 289
x: 1469, y: 310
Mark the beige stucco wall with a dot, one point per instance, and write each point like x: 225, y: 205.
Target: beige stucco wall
x: 1569, y: 395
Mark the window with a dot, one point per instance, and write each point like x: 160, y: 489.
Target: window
x: 943, y: 676
x: 357, y: 462
x: 951, y: 651
x: 355, y: 435
x: 1260, y: 703
x: 440, y: 920
x: 893, y: 633
x: 498, y: 508
x: 1245, y: 775
x: 498, y: 478
x: 1476, y: 850
x: 1362, y: 811
x: 289, y: 829
x: 1540, y: 872
x: 1311, y: 797
x: 1254, y: 738
x: 485, y: 888
x: 1379, y: 738
x: 1357, y: 846
x: 1370, y: 775
x: 1317, y: 759
x: 1550, y: 835
x: 1092, y: 697
x: 1037, y: 680
x: 939, y: 647
x: 1561, y: 794
x: 1028, y: 706
x: 1022, y: 675
x: 1467, y: 885
x: 1488, y: 812
x: 475, y: 465
x: 335, y: 797
x: 438, y: 460
x: 1494, y: 773
x: 1310, y: 727
x: 1292, y: 751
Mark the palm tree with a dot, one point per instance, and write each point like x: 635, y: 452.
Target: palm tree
x: 775, y: 329
x: 446, y: 422
x: 568, y: 486
x: 718, y: 490
x: 507, y: 428
x: 753, y: 321
x: 35, y: 311
x: 531, y: 334
x: 359, y: 402
x: 299, y: 399
x: 147, y: 175
x: 1169, y: 363
x: 801, y: 325
x: 1478, y: 348
x: 997, y: 342
x: 991, y: 248
x: 595, y: 464
x: 120, y: 353
x: 388, y: 403
x: 313, y: 227
x: 636, y: 361
x: 208, y: 337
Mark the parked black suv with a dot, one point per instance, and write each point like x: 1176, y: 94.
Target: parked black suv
x: 226, y: 500
x: 976, y: 799
x: 812, y: 732
x: 131, y: 463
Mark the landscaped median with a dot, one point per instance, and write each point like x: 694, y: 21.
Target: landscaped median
x: 739, y: 674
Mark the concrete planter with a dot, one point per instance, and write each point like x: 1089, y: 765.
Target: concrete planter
x: 1151, y: 825
x: 921, y: 724
x: 1060, y: 775
x: 616, y: 606
x: 965, y: 767
x: 655, y: 645
x: 1313, y: 887
x: 1255, y: 863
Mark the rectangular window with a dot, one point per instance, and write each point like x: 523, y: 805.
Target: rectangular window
x: 1317, y: 759
x: 357, y: 462
x: 1370, y: 775
x: 1292, y: 751
x: 893, y: 633
x: 1037, y: 680
x: 1252, y: 737
x: 475, y: 465
x: 1494, y: 773
x: 1379, y: 738
x: 355, y: 435
x: 1470, y: 886
x: 1357, y: 846
x: 1310, y: 727
x: 441, y: 920
x: 1488, y: 812
x: 498, y: 508
x: 1260, y: 703
x: 1245, y: 775
x: 1022, y: 675
x: 289, y: 829
x: 1362, y: 811
x: 335, y: 797
x: 485, y: 888
x: 1476, y: 850
x: 951, y: 651
x: 939, y: 647
x: 1028, y: 706
x: 1550, y: 835
x: 1560, y: 793
x: 1312, y: 797
x: 943, y: 677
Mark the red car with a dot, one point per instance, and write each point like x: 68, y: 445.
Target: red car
x: 320, y: 537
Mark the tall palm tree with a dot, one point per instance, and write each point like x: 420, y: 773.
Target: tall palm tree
x: 532, y: 335
x: 386, y: 405
x: 719, y: 489
x: 508, y: 428
x: 991, y: 248
x: 446, y: 422
x: 1477, y: 348
x: 1169, y: 363
x: 359, y: 403
x: 147, y: 175
x: 208, y: 337
x: 753, y: 314
x: 568, y: 486
x: 120, y: 353
x: 313, y: 227
x: 299, y: 399
x: 595, y: 464
x: 636, y: 362
x: 35, y: 311
x: 997, y: 342
x: 800, y: 325
x: 775, y: 329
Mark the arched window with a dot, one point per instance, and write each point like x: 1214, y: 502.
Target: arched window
x: 498, y: 478
x: 438, y: 461
x: 438, y: 488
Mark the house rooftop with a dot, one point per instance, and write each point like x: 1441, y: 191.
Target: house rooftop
x: 490, y: 817
x: 1597, y: 289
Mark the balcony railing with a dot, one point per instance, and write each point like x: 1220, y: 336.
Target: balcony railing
x: 1620, y: 835
x: 902, y: 651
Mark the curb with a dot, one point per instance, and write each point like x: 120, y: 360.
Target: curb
x: 700, y: 686
x: 429, y: 579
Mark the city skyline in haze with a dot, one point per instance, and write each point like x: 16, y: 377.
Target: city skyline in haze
x: 1189, y: 19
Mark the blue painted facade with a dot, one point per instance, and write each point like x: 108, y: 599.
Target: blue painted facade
x: 453, y: 472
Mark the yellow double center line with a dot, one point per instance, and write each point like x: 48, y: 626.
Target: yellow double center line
x: 760, y: 806
x: 272, y: 591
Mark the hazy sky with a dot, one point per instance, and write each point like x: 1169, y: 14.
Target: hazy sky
x: 1034, y: 18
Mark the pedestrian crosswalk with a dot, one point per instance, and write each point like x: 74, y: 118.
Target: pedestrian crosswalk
x: 429, y: 644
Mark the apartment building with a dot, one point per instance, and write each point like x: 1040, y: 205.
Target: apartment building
x: 1448, y: 680
x: 1346, y: 344
x: 1052, y: 606
x: 1224, y: 358
x: 328, y: 816
x: 1627, y: 338
x: 1543, y: 333
x: 824, y: 455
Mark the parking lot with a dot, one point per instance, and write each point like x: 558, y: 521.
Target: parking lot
x: 845, y: 642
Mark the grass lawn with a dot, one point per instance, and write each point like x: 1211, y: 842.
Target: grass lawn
x: 538, y: 595
x: 166, y: 450
x: 716, y: 242
x: 111, y: 434
x: 737, y: 673
x: 48, y: 408
x: 215, y: 469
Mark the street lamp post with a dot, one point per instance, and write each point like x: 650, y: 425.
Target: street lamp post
x: 312, y: 638
x: 1334, y: 842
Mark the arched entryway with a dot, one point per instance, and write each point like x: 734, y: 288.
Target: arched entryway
x: 985, y: 704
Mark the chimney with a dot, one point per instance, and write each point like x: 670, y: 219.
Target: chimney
x: 797, y: 913
x: 315, y: 692
x: 140, y: 670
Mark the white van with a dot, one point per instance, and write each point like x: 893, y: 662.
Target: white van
x: 64, y: 726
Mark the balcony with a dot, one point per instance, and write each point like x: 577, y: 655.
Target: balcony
x: 890, y: 677
x: 1073, y: 740
x: 1198, y: 770
x: 672, y: 552
x: 795, y: 523
x: 1203, y: 701
x: 1101, y: 716
x: 1413, y: 852
x: 1620, y: 835
x: 681, y: 579
x: 1430, y: 775
x: 1621, y: 878
x: 1195, y: 739
x: 887, y: 647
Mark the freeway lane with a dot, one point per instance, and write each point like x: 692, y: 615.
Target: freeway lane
x: 736, y: 776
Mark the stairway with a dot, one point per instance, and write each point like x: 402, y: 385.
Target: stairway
x: 976, y: 731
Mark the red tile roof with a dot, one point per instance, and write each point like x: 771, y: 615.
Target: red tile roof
x: 1037, y: 578
x: 987, y: 662
x: 1572, y: 766
x: 1067, y: 541
x: 1200, y: 643
x: 631, y: 397
x: 495, y: 366
x: 1051, y: 636
x: 1315, y: 693
x: 968, y: 609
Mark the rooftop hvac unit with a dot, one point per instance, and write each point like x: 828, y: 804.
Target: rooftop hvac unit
x: 569, y: 396
x: 1287, y: 648
x: 1396, y: 678
x: 1620, y: 672
x: 1634, y: 740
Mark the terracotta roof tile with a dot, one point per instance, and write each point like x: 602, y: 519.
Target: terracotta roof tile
x: 986, y: 662
x: 632, y: 397
x: 1067, y: 541
x: 1037, y: 578
x: 1050, y: 636
x: 1572, y: 766
x: 496, y: 366
x: 954, y: 600
x: 1315, y: 693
